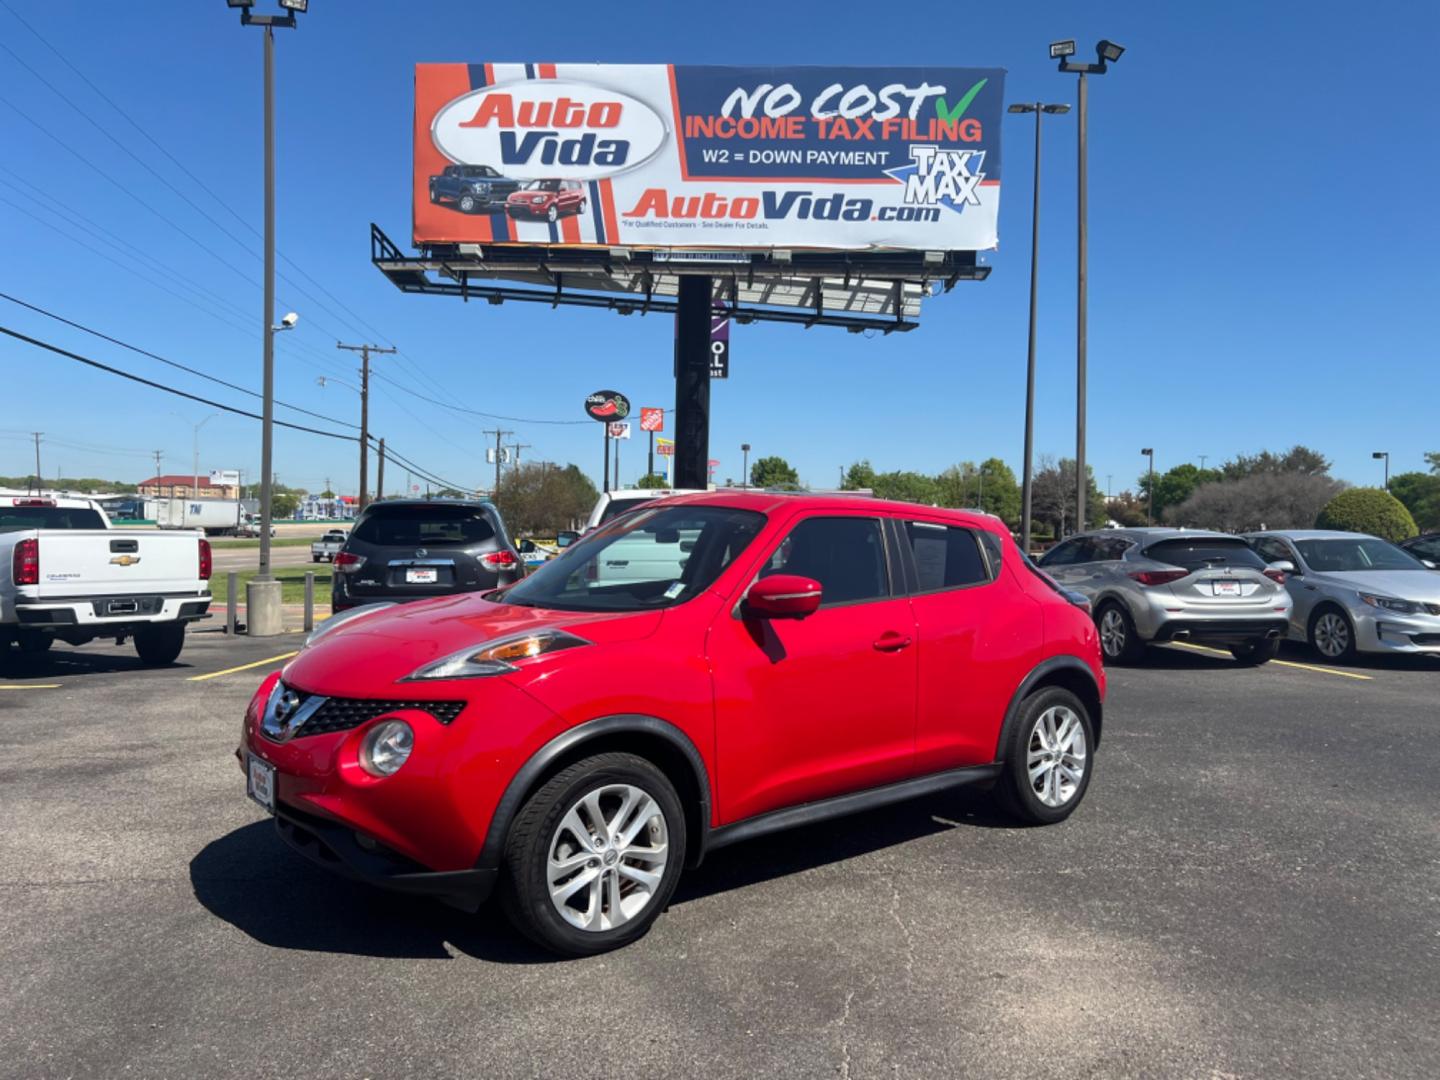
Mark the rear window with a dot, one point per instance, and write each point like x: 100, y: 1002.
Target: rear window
x: 621, y: 506
x: 1198, y: 553
x: 13, y: 518
x: 431, y: 525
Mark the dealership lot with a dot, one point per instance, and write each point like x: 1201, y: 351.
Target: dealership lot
x: 1250, y: 889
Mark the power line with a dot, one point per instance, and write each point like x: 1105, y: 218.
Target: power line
x: 473, y: 412
x: 172, y: 363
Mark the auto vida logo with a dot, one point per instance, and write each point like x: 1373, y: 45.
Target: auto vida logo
x: 125, y: 560
x: 548, y: 129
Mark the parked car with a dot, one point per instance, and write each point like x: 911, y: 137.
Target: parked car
x: 471, y: 189
x: 1425, y: 547
x: 548, y: 199
x: 66, y: 575
x: 1354, y: 593
x: 576, y: 744
x: 1155, y: 585
x: 612, y: 504
x: 328, y: 546
x: 414, y: 549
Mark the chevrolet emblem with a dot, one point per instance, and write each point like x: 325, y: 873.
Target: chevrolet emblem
x: 125, y: 560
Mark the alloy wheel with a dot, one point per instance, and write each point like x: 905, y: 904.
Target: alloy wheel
x: 1332, y: 635
x: 607, y: 857
x: 1112, y: 632
x: 1056, y: 756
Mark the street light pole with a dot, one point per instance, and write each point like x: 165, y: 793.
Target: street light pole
x: 1027, y: 487
x: 745, y: 468
x: 1377, y: 455
x: 1106, y: 52
x: 1149, y: 452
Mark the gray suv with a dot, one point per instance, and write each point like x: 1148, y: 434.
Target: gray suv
x: 1355, y: 593
x: 1155, y: 585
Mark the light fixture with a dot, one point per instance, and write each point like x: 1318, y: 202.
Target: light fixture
x: 295, y: 5
x: 1055, y: 109
x: 240, y: 3
x: 1021, y: 108
x: 1147, y: 450
x: 1059, y: 49
x: 1108, y: 50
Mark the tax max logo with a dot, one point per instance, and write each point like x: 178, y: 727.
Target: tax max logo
x: 938, y: 177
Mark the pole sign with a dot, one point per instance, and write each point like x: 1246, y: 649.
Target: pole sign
x: 719, y: 342
x: 619, y: 431
x: 607, y: 405
x: 652, y: 419
x: 665, y: 447
x: 702, y: 157
x: 224, y: 477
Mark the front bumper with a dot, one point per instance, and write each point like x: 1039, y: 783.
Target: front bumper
x: 530, y: 210
x: 348, y: 853
x: 1392, y: 632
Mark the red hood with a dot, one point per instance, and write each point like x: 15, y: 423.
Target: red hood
x: 367, y: 659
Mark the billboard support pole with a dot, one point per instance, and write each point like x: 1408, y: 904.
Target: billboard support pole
x: 692, y: 381
x: 650, y: 459
x: 605, y: 468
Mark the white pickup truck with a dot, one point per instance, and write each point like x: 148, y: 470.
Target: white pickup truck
x: 66, y: 575
x: 328, y: 546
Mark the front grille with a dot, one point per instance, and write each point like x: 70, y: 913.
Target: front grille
x: 342, y: 714
x: 1425, y: 639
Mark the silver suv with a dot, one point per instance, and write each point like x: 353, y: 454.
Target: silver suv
x: 1154, y: 585
x: 1355, y: 592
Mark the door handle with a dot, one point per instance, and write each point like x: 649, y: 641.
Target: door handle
x: 890, y: 641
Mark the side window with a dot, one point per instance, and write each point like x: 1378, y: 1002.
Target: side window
x: 1272, y: 550
x: 1061, y: 555
x: 1111, y: 548
x: 1427, y: 549
x: 946, y: 557
x: 845, y: 555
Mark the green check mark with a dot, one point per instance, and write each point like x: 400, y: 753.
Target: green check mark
x: 948, y: 115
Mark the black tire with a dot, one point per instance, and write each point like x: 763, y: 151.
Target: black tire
x: 160, y: 643
x: 32, y: 643
x: 1127, y: 648
x: 552, y: 215
x: 579, y: 210
x: 524, y: 888
x: 466, y: 204
x: 1324, y: 633
x: 1255, y: 653
x: 1015, y: 791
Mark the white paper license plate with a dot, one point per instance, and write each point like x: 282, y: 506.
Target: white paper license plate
x: 260, y: 782
x: 1226, y: 588
x: 421, y: 576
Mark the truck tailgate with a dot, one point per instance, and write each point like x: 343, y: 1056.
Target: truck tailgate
x: 91, y: 562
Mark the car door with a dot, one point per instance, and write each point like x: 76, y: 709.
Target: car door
x: 1276, y: 549
x: 814, y: 707
x: 976, y: 639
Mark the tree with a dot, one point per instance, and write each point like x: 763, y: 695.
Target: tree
x: 1261, y: 500
x: 1420, y: 492
x: 1432, y: 458
x: 1174, y: 487
x: 1298, y: 459
x: 1368, y: 510
x: 652, y: 480
x: 773, y: 472
x: 990, y: 486
x: 541, y: 500
x: 859, y: 477
x: 906, y: 486
x: 283, y: 504
x: 1052, y: 498
x: 1127, y: 509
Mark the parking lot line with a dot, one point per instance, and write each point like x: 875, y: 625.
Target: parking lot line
x: 245, y: 667
x: 30, y: 686
x: 1283, y: 663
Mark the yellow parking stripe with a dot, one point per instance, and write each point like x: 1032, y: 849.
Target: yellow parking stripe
x: 1282, y: 663
x: 30, y: 686
x: 245, y: 667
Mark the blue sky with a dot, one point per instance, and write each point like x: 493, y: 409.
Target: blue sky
x: 1263, y: 265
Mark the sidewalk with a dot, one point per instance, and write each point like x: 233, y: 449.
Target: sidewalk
x: 292, y: 614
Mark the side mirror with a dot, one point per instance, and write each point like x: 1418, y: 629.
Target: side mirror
x: 1283, y: 564
x: 783, y: 596
x: 1428, y: 564
x: 565, y: 539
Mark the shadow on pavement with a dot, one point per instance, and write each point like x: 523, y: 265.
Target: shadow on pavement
x: 60, y: 660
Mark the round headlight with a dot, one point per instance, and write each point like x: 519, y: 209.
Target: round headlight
x: 386, y: 747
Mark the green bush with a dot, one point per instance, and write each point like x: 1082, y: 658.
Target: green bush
x: 1368, y: 510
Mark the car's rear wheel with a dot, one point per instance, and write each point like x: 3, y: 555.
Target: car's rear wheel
x: 467, y: 203
x: 1119, y: 641
x: 1332, y: 635
x: 594, y: 855
x: 1255, y: 653
x: 1047, y: 763
x: 31, y: 642
x: 160, y: 643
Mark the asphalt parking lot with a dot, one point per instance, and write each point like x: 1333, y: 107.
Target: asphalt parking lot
x: 1252, y: 888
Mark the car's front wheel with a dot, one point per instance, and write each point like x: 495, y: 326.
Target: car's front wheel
x: 580, y: 209
x: 160, y: 643
x: 1331, y: 635
x: 552, y: 215
x: 594, y: 855
x: 1119, y: 641
x: 467, y: 203
x: 1047, y: 763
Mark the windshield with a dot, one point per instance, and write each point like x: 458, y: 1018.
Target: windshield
x: 1362, y: 553
x: 49, y: 517
x: 617, y: 507
x: 653, y: 559
x: 543, y: 185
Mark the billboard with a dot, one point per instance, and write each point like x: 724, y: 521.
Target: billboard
x: 719, y: 158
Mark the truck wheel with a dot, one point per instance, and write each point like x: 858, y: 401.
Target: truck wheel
x: 467, y: 204
x: 160, y: 643
x: 33, y: 643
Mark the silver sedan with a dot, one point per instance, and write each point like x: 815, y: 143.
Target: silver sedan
x: 1355, y: 593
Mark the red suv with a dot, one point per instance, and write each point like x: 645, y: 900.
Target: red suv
x: 763, y: 661
x: 548, y: 199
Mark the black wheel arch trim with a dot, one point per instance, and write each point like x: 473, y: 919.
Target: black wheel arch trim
x: 528, y: 775
x: 1039, y: 674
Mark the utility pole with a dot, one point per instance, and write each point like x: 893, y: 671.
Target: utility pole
x: 517, y: 447
x: 364, y: 351
x: 1202, y: 461
x: 39, y: 483
x: 495, y: 494
x: 380, y: 474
